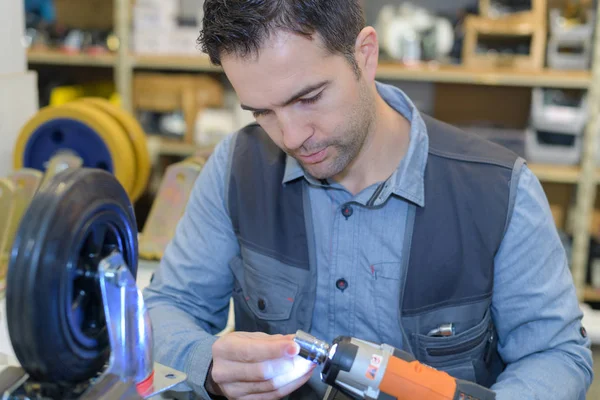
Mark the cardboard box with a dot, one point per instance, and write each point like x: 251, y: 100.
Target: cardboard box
x: 181, y: 41
x: 184, y: 41
x: 18, y: 103
x: 156, y: 18
x: 150, y: 42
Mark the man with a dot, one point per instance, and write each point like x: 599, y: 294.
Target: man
x: 345, y: 211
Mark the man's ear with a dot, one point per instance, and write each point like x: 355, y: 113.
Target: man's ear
x: 367, y: 52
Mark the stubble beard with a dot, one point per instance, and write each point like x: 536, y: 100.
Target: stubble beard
x: 350, y: 140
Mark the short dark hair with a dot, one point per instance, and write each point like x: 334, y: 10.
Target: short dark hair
x: 240, y: 26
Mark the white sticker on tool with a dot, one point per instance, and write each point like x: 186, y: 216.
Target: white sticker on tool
x: 376, y: 360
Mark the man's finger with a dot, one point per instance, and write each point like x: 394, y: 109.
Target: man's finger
x: 259, y: 335
x: 300, y: 369
x: 238, y: 390
x: 282, y: 391
x: 255, y: 350
x: 233, y: 371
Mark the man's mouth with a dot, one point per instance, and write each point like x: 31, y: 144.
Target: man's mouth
x: 314, y: 158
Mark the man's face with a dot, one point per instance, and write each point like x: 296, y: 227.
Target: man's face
x: 310, y: 102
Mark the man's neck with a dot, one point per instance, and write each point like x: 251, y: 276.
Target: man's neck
x: 383, y: 150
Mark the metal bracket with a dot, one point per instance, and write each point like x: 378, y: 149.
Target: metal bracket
x: 61, y: 161
x: 130, y: 331
x: 127, y: 321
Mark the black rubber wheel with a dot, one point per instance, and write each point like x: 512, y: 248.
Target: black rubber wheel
x: 54, y: 304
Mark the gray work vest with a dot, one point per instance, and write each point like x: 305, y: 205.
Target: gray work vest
x: 470, y: 188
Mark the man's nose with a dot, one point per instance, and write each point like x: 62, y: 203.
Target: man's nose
x: 295, y: 131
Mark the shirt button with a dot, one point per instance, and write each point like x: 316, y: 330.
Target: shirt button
x: 261, y: 304
x: 341, y: 284
x: 347, y: 211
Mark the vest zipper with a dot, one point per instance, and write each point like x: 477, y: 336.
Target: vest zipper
x: 461, y: 348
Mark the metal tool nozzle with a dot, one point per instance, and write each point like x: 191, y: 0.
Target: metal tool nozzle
x: 311, y: 348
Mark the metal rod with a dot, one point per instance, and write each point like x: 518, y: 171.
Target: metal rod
x: 311, y: 348
x: 586, y: 188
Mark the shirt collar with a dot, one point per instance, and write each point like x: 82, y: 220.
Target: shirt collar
x: 408, y: 179
x: 293, y: 170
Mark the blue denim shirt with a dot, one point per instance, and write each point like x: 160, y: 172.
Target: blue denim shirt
x: 534, y: 305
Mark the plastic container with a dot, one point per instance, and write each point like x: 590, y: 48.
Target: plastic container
x: 546, y: 147
x: 578, y: 38
x: 559, y: 111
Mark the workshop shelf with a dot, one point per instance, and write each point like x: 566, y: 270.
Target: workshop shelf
x: 55, y: 57
x: 430, y: 72
x: 174, y: 63
x: 440, y: 73
x: 556, y: 173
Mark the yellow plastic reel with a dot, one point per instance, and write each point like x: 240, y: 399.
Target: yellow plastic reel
x: 137, y: 137
x: 111, y: 133
x: 65, y: 94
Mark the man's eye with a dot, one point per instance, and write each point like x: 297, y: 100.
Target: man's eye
x: 259, y: 113
x: 313, y: 99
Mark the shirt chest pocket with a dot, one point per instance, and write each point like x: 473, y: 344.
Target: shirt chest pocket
x: 461, y: 355
x: 376, y: 291
x: 263, y: 300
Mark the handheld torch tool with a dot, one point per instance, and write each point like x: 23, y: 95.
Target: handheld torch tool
x: 364, y: 370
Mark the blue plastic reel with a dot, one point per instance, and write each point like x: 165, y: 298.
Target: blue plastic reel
x: 66, y: 134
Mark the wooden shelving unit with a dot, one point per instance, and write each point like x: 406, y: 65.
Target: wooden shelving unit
x: 431, y: 72
x: 493, y: 77
x: 51, y: 57
x: 171, y: 147
x: 585, y: 176
x: 175, y: 63
x: 556, y: 173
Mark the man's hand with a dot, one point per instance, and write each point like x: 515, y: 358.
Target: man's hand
x: 257, y: 366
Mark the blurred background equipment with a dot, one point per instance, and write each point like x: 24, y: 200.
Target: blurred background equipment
x: 179, y: 98
x: 44, y: 32
x: 94, y: 130
x: 60, y: 95
x: 166, y: 26
x: 412, y: 34
x: 169, y: 206
x: 570, y: 41
x: 558, y: 119
x: 509, y: 33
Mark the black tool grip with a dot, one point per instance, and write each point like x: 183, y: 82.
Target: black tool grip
x: 341, y: 361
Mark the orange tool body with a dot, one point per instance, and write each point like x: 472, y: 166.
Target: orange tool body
x: 364, y: 370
